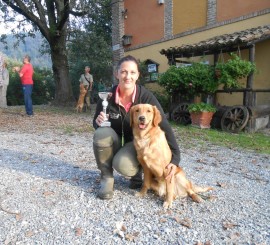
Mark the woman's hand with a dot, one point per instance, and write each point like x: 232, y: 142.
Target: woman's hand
x: 101, y: 118
x: 171, y: 171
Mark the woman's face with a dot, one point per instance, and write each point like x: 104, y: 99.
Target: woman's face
x: 127, y: 74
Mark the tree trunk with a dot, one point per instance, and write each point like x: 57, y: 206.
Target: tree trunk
x: 63, y: 89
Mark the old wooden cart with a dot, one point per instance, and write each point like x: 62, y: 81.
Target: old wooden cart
x: 229, y: 118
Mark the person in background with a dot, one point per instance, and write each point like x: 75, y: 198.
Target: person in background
x: 87, y: 80
x: 26, y: 75
x: 101, y: 86
x: 3, y: 86
x: 113, y: 146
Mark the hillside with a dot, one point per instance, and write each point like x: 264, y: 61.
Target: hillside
x: 30, y: 46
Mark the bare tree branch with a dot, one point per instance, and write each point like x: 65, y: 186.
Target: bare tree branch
x: 40, y: 10
x: 78, y: 14
x: 64, y: 15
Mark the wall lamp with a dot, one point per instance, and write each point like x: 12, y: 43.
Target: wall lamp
x: 127, y: 40
x: 124, y: 13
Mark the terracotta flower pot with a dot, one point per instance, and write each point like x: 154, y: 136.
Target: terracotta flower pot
x: 201, y: 119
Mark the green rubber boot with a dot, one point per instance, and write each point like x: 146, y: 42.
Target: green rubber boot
x: 104, y: 162
x: 106, y: 188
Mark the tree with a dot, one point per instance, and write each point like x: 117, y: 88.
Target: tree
x: 52, y: 19
x: 93, y: 46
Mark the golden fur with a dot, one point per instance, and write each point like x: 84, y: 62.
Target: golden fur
x: 154, y: 154
x: 80, y: 102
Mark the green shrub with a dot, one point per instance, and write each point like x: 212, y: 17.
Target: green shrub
x: 189, y: 81
x: 164, y: 100
x: 43, y: 89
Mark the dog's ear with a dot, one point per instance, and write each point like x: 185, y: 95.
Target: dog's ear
x: 131, y: 116
x: 157, y: 116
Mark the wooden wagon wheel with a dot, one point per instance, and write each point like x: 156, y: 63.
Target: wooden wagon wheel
x: 180, y: 114
x: 234, y: 119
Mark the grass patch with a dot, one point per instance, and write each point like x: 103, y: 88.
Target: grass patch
x: 257, y: 142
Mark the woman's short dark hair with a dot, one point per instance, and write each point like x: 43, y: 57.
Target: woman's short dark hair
x: 127, y: 58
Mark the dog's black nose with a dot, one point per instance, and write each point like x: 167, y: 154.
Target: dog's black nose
x: 142, y: 118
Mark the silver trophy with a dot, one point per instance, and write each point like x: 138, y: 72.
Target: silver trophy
x: 104, y: 97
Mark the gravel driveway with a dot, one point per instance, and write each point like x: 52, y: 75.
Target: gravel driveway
x: 49, y: 182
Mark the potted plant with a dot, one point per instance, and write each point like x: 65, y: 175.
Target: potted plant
x: 201, y: 114
x: 230, y: 72
x: 190, y: 82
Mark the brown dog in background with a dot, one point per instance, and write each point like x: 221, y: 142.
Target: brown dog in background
x: 154, y: 154
x: 80, y: 103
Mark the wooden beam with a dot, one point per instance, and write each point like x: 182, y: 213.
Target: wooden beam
x: 252, y: 60
x: 249, y: 98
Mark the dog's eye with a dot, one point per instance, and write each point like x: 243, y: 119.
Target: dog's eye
x: 148, y: 110
x: 137, y: 110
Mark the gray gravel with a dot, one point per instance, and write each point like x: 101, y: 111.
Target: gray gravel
x: 49, y: 182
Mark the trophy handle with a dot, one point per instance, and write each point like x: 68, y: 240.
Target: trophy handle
x: 105, y: 105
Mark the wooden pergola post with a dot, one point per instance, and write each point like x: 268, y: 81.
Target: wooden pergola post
x: 250, y: 96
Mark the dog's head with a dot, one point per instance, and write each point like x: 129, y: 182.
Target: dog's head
x: 144, y: 116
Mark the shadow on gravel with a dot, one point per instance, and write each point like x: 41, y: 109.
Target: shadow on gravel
x: 50, y: 168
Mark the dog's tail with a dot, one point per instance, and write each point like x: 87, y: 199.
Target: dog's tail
x: 184, y: 187
x: 199, y: 189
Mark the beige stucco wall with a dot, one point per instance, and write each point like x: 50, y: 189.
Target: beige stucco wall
x: 261, y: 80
x: 262, y: 77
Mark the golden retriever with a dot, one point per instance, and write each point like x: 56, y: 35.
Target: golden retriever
x: 154, y: 154
x: 80, y: 103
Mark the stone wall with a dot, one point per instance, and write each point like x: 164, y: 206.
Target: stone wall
x: 117, y: 31
x: 211, y: 12
x: 168, y: 19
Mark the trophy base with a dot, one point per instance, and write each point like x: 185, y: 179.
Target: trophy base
x: 105, y: 124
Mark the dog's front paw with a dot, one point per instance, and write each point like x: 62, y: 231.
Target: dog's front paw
x: 140, y: 194
x: 167, y: 205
